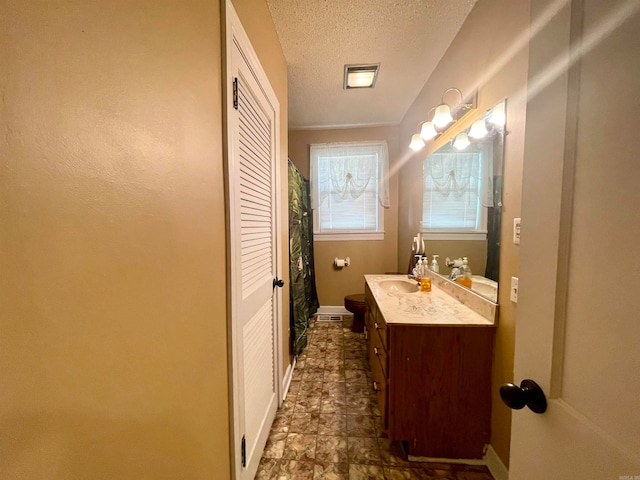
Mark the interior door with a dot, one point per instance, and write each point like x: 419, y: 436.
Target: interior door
x: 252, y: 116
x: 578, y: 320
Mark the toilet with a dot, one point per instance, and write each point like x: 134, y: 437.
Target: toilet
x: 355, y: 304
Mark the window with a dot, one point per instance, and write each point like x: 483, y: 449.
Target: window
x: 457, y: 192
x: 349, y: 190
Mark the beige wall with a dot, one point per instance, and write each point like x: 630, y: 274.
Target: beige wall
x: 372, y: 256
x: 113, y: 354
x: 484, y: 54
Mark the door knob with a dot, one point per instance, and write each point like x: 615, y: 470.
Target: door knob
x: 278, y: 283
x: 527, y: 394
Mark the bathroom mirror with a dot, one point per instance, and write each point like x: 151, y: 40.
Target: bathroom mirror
x: 462, y: 201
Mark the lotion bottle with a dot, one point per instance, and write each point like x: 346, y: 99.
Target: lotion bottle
x: 465, y: 270
x: 434, y: 264
x: 425, y: 281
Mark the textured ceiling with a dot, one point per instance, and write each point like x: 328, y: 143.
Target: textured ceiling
x: 319, y: 37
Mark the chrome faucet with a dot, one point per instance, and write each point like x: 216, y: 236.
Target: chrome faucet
x: 455, y: 273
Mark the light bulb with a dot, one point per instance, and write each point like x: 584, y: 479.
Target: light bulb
x: 416, y: 142
x: 478, y: 129
x: 442, y: 116
x: 498, y: 116
x: 461, y: 142
x: 428, y: 131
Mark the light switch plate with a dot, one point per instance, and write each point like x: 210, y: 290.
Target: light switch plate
x: 514, y: 289
x: 516, y: 231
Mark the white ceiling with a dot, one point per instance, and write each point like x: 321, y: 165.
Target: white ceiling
x: 319, y: 37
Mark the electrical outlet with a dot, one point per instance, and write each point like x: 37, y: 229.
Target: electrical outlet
x: 514, y: 289
x: 516, y: 231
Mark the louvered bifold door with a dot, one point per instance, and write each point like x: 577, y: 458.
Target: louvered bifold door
x: 252, y: 174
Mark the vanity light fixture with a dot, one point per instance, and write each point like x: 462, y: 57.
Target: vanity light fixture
x: 428, y: 130
x: 498, y: 116
x: 360, y: 76
x: 478, y: 129
x: 416, y: 142
x: 462, y: 141
x: 444, y: 115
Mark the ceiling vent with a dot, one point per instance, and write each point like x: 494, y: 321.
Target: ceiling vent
x: 360, y: 76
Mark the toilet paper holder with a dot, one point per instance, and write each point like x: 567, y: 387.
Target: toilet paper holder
x: 342, y: 262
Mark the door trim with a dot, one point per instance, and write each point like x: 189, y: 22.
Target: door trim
x: 233, y: 32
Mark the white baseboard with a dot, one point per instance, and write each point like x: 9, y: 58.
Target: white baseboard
x: 495, y: 465
x: 286, y: 380
x: 490, y: 459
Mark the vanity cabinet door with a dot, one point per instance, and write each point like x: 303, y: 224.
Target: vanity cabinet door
x: 440, y: 389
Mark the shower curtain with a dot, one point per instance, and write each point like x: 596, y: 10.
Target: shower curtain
x: 303, y: 298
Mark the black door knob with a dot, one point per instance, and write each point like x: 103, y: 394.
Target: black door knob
x: 278, y: 283
x: 527, y: 394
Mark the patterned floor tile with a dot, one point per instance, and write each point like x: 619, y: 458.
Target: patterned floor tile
x: 361, y: 426
x: 306, y: 404
x: 268, y: 469
x: 311, y: 388
x: 329, y: 426
x: 358, y: 388
x: 281, y: 423
x: 275, y: 445
x: 333, y: 404
x: 300, y: 446
x: 365, y: 472
x: 331, y: 471
x: 288, y: 405
x: 332, y: 424
x: 392, y: 455
x: 332, y: 449
x: 296, y: 470
x: 400, y: 473
x: 304, y: 423
x: 333, y: 389
x: 363, y: 451
x: 359, y: 405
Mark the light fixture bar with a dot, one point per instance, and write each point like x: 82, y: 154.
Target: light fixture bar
x: 360, y: 76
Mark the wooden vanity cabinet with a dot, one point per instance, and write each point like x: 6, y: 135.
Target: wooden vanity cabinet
x: 433, y: 383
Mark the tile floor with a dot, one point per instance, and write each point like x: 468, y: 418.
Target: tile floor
x: 329, y: 426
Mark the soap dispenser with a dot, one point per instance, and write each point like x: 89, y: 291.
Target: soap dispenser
x: 434, y: 264
x: 465, y: 270
x: 425, y: 280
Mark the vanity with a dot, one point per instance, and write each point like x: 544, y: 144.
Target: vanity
x: 430, y: 355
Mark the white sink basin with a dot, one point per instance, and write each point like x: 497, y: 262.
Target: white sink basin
x: 401, y: 286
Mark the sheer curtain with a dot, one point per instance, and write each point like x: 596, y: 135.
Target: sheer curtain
x: 458, y: 173
x: 346, y: 169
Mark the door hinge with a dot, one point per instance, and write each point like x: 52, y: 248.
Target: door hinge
x: 243, y: 451
x: 235, y: 93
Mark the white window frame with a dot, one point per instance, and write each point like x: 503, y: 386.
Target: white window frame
x: 350, y: 234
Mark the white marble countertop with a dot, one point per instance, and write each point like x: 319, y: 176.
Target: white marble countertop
x: 422, y: 308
